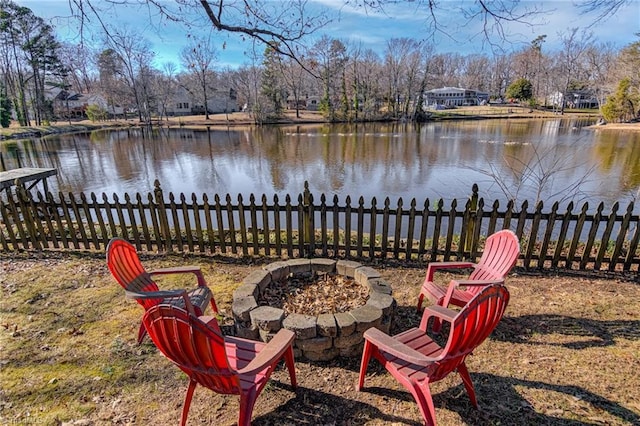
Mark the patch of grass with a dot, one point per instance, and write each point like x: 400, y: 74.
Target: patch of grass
x: 565, y: 353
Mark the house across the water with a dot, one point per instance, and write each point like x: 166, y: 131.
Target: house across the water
x: 455, y: 96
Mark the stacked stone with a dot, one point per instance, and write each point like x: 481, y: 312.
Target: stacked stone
x: 320, y: 338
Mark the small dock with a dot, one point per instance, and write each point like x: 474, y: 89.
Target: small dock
x: 26, y: 175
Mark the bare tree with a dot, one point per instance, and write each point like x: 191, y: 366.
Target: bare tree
x: 199, y: 57
x: 134, y: 55
x: 166, y: 86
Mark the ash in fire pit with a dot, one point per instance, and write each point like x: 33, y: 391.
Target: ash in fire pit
x: 327, y: 303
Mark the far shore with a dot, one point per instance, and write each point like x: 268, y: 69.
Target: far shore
x: 237, y: 119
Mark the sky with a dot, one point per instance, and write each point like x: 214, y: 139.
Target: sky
x: 369, y: 29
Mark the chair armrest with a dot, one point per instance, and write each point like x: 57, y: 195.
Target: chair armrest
x: 388, y: 344
x: 436, y: 311
x: 453, y: 284
x: 162, y: 294
x: 270, y: 353
x: 435, y: 266
x: 181, y: 270
x: 466, y: 283
x: 211, y: 322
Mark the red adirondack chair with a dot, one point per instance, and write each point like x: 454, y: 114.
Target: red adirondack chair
x: 500, y: 254
x: 126, y: 268
x: 416, y: 360
x: 224, y: 364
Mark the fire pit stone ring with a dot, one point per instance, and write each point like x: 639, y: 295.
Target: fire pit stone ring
x: 322, y: 337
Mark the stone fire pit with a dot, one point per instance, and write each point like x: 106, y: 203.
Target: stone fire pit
x: 322, y: 337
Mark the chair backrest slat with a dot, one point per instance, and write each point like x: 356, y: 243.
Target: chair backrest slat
x: 473, y: 324
x: 193, y: 346
x: 500, y: 254
x: 126, y: 268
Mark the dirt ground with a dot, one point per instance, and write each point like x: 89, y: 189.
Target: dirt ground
x: 566, y: 353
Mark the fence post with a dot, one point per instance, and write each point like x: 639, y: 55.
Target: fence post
x: 473, y: 208
x: 162, y: 216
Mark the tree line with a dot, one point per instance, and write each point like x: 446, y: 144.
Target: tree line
x: 348, y: 81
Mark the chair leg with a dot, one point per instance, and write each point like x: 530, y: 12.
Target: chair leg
x: 366, y: 355
x: 468, y: 384
x: 247, y: 401
x: 422, y: 394
x: 420, y: 300
x: 141, y: 333
x: 288, y: 360
x: 187, y: 402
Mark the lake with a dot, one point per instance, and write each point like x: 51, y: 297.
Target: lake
x: 550, y: 160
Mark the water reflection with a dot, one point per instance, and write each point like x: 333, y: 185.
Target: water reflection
x: 522, y: 159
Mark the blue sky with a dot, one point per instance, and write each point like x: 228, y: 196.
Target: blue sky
x: 372, y: 30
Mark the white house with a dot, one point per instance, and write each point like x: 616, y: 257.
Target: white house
x: 184, y: 103
x: 455, y: 96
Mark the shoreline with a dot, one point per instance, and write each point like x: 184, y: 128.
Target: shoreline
x: 238, y: 119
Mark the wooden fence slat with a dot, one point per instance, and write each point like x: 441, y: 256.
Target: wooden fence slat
x: 476, y: 233
x: 109, y: 212
x: 582, y: 217
x: 163, y: 219
x: 436, y: 231
x: 86, y: 209
x: 265, y: 226
x: 604, y: 242
x: 547, y: 234
x: 506, y: 223
x: 410, y: 229
x: 386, y: 212
x: 535, y: 225
x: 144, y: 225
x: 564, y: 226
x: 302, y: 229
x: 522, y: 220
x: 154, y: 213
x: 466, y: 230
x: 324, y: 244
x: 69, y: 222
x: 360, y: 227
x: 397, y: 234
x: 33, y: 215
x: 451, y: 223
x: 219, y: 223
x: 288, y: 208
x: 624, y: 227
x: 8, y: 218
x: 45, y: 207
x: 595, y: 224
x: 335, y: 209
x: 347, y: 227
x: 198, y: 223
x: 16, y: 209
x: 132, y: 221
x: 311, y: 226
x: 232, y: 225
x: 243, y: 228
x: 633, y: 247
x: 177, y: 229
x: 253, y: 226
x: 372, y: 228
x: 493, y: 217
x: 188, y: 232
x: 58, y: 220
x: 424, y: 229
x: 277, y: 227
